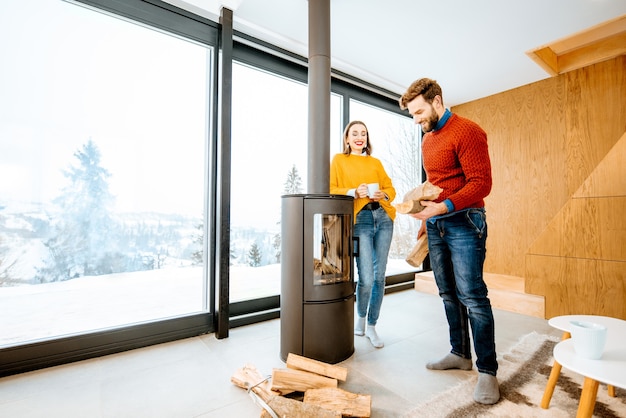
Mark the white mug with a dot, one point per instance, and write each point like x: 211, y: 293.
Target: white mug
x: 372, y: 188
x: 589, y: 339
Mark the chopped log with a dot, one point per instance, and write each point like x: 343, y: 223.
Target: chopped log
x: 299, y: 380
x: 425, y: 191
x: 297, y: 362
x: 410, y: 206
x: 411, y: 201
x: 348, y: 403
x: 248, y: 377
x: 418, y: 253
x: 290, y: 408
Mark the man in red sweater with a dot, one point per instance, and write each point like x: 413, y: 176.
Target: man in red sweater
x: 456, y: 158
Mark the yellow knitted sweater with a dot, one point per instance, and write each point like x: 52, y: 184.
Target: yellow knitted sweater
x: 349, y: 171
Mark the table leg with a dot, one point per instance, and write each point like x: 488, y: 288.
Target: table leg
x: 554, y: 376
x: 611, y: 390
x: 588, y: 398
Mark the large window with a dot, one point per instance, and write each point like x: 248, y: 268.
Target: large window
x: 109, y: 168
x: 396, y: 142
x: 269, y: 159
x: 103, y: 145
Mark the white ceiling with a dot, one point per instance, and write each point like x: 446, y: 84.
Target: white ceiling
x: 473, y: 48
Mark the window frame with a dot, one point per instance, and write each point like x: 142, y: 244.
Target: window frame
x: 61, y: 350
x: 256, y: 53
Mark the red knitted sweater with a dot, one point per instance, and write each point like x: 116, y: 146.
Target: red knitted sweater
x: 456, y: 158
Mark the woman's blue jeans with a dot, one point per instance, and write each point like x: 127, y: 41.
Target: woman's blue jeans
x: 374, y: 228
x: 456, y: 244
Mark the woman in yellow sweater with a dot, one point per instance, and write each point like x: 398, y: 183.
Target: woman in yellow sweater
x: 351, y: 172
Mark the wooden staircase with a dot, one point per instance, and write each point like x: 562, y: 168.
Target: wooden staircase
x: 505, y: 292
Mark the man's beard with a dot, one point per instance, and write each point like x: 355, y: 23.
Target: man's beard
x: 431, y: 122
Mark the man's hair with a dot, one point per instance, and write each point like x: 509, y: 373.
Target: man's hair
x: 425, y: 87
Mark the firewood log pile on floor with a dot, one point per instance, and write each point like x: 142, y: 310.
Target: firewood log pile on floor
x: 307, y: 388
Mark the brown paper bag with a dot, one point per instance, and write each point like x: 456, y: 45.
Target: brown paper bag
x: 418, y: 253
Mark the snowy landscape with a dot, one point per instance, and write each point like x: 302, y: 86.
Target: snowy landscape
x: 31, y: 310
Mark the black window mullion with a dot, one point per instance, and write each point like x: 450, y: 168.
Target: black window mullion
x: 162, y: 16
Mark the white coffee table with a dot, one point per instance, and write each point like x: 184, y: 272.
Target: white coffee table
x: 609, y: 369
x: 563, y: 323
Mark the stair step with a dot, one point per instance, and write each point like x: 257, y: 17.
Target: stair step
x: 505, y: 292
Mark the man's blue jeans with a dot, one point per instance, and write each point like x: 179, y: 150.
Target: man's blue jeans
x: 374, y: 228
x: 456, y: 244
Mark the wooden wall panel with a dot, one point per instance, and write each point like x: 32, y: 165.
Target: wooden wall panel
x: 523, y: 166
x: 581, y: 286
x: 609, y: 177
x: 558, y: 195
x: 595, y: 118
x: 593, y: 228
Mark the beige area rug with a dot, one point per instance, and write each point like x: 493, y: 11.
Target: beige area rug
x: 523, y: 373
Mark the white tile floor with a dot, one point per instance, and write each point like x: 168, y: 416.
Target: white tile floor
x: 191, y: 377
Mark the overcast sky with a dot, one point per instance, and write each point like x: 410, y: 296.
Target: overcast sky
x: 70, y: 75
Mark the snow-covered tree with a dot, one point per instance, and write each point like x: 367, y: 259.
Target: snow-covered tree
x: 276, y: 244
x: 254, y: 255
x: 83, y: 241
x: 5, y: 264
x: 404, y: 166
x: 293, y: 184
x: 197, y: 257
